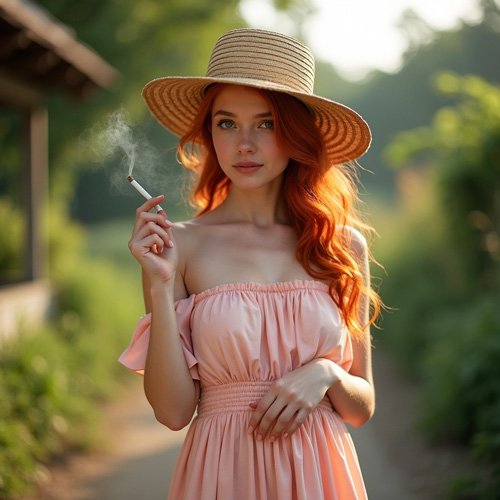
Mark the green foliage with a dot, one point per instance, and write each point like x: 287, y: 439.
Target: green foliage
x: 461, y: 390
x: 11, y: 242
x: 50, y: 380
x: 392, y: 103
x: 465, y: 142
x: 109, y: 240
x: 11, y: 157
x: 64, y: 240
x: 416, y: 281
x: 454, y: 301
x: 12, y: 253
x: 461, y: 371
x: 34, y: 393
x: 415, y: 288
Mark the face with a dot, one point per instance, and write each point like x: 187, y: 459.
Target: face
x: 244, y: 139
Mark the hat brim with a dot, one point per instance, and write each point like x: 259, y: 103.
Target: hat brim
x: 174, y: 102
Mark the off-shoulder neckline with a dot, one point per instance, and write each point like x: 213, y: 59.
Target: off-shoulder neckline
x: 273, y: 287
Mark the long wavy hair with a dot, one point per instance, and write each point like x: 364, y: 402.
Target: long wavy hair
x: 321, y: 198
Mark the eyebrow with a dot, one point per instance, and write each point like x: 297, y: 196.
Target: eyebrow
x: 233, y: 115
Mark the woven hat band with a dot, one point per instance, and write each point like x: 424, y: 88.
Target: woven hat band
x: 263, y: 56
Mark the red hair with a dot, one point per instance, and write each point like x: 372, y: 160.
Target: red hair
x: 320, y: 198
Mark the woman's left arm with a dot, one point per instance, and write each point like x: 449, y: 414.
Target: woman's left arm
x: 353, y: 393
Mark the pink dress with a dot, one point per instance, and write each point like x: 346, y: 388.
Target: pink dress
x: 238, y: 339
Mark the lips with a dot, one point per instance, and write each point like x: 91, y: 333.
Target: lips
x: 247, y: 167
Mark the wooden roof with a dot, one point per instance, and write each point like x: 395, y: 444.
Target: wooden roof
x: 38, y: 54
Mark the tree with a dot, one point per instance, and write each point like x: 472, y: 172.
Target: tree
x: 464, y: 144
x: 455, y: 324
x: 406, y: 99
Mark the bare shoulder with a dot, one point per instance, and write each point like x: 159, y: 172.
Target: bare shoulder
x: 193, y: 229
x: 190, y: 234
x: 186, y: 239
x: 187, y: 234
x: 185, y: 228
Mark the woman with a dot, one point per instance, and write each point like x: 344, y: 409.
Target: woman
x: 258, y: 308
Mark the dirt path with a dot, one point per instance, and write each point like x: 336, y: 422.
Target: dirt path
x: 136, y: 464
x: 396, y: 463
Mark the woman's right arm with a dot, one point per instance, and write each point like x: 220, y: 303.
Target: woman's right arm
x: 168, y: 384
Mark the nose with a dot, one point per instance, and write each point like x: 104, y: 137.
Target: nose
x: 246, y: 143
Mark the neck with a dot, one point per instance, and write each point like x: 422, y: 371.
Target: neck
x: 261, y: 207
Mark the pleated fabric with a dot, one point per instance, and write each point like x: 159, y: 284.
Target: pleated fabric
x: 238, y: 339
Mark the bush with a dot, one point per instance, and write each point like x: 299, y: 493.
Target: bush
x: 50, y: 380
x: 459, y: 358
x: 449, y: 339
x: 414, y: 289
x: 419, y: 278
x: 461, y: 389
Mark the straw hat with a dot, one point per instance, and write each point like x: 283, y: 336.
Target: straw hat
x: 264, y: 60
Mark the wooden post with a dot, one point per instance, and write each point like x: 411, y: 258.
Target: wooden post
x: 35, y: 179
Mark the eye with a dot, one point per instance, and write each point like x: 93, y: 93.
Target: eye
x: 267, y: 124
x: 225, y: 123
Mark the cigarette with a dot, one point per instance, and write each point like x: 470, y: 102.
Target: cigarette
x: 142, y: 191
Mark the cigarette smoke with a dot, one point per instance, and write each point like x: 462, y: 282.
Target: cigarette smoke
x: 120, y: 149
x: 118, y: 137
x: 118, y: 146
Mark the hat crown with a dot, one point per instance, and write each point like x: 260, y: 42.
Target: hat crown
x: 263, y: 56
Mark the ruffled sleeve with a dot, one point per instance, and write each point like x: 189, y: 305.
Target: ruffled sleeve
x: 342, y: 354
x: 134, y: 356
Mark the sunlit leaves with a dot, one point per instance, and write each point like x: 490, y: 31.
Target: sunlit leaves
x: 463, y: 145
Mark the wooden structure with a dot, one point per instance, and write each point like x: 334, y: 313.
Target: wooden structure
x: 38, y: 55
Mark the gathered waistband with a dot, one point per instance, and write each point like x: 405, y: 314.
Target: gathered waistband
x: 236, y: 397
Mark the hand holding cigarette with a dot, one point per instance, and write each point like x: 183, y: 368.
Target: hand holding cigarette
x: 163, y: 230
x: 142, y: 191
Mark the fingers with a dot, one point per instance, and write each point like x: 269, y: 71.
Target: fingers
x: 148, y: 205
x: 151, y: 234
x: 264, y: 416
x: 152, y: 231
x: 277, y: 421
x: 299, y: 418
x: 277, y: 415
x: 144, y: 214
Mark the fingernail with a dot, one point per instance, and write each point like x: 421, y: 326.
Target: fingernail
x: 285, y: 435
x: 170, y: 243
x: 250, y: 429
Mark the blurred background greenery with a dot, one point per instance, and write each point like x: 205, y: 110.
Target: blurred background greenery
x: 431, y: 187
